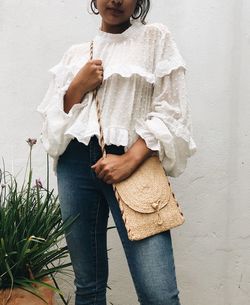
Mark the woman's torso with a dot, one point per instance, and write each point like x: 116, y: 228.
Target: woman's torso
x: 125, y: 95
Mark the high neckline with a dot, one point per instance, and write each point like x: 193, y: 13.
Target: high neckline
x: 102, y: 35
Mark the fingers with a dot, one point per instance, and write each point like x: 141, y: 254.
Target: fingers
x: 100, y: 69
x: 98, y: 65
x: 100, y: 78
x: 97, y: 167
x: 97, y: 62
x: 103, y: 171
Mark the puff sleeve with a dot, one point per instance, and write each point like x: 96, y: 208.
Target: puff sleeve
x: 167, y: 128
x: 55, y: 120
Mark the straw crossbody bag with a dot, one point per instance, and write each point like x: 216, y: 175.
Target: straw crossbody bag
x: 147, y: 203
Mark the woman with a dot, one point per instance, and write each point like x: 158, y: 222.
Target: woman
x: 140, y: 77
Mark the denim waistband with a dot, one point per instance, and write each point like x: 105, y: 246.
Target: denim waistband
x: 77, y: 151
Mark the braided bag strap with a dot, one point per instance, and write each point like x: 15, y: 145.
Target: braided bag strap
x: 102, y: 143
x: 98, y: 111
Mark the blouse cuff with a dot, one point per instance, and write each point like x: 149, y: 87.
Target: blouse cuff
x: 60, y: 103
x: 173, y: 143
x: 153, y: 132
x: 54, y: 99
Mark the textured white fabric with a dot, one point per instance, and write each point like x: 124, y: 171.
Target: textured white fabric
x: 143, y: 94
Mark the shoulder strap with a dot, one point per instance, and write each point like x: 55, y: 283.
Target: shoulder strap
x: 98, y: 110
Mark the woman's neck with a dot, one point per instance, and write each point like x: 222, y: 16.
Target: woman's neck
x: 115, y: 29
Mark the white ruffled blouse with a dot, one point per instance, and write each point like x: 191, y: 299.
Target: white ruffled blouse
x: 143, y: 93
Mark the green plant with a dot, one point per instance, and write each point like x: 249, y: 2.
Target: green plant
x: 31, y: 232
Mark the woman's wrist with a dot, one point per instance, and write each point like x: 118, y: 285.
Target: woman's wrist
x: 73, y: 96
x: 132, y: 158
x: 138, y: 152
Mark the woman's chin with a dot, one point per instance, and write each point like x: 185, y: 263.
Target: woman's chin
x: 114, y: 21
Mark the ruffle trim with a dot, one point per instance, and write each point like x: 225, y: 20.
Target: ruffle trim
x: 172, y: 165
x: 173, y: 161
x: 112, y: 135
x: 128, y: 71
x: 162, y: 69
x: 165, y: 67
x: 64, y: 74
x: 152, y: 139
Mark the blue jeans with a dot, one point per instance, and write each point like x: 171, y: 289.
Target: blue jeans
x: 150, y: 261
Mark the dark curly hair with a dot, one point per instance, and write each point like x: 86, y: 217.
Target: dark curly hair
x: 141, y: 10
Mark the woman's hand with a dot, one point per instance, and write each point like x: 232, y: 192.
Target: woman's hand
x: 114, y: 168
x: 89, y: 77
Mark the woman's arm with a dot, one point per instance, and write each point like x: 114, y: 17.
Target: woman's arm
x: 72, y: 96
x: 115, y: 168
x: 138, y: 152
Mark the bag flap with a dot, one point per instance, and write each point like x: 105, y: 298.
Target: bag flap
x: 147, y: 189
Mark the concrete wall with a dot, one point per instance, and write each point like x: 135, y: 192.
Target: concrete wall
x: 212, y: 249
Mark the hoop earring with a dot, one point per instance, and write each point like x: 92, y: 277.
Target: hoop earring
x: 93, y: 7
x: 139, y: 8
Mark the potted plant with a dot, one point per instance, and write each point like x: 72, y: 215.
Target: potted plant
x: 31, y: 234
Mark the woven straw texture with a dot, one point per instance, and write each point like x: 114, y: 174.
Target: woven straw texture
x: 146, y: 201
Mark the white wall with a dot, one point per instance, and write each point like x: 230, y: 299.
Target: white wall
x: 212, y: 248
